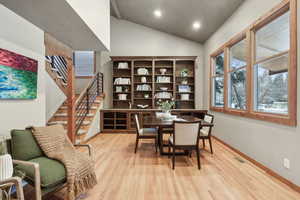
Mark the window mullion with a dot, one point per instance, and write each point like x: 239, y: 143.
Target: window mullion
x: 249, y: 78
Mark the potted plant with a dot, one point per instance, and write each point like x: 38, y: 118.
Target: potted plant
x: 6, y: 165
x: 184, y: 72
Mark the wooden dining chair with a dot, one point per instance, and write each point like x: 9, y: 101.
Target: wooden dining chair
x: 205, y: 132
x: 185, y: 137
x: 144, y: 133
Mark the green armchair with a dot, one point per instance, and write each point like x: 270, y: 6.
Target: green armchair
x: 45, y: 174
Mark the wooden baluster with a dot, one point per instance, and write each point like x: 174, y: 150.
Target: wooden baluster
x: 71, y: 100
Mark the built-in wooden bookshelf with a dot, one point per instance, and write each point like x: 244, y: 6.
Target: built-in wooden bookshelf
x: 124, y: 89
x: 154, y: 78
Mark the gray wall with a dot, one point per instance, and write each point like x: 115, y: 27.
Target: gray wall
x: 22, y: 37
x: 268, y: 143
x: 130, y: 39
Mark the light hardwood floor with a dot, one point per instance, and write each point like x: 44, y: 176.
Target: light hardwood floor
x: 123, y: 175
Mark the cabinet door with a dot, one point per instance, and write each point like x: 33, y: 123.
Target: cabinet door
x: 121, y: 120
x: 108, y: 120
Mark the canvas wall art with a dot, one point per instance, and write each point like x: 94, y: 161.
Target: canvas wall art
x: 18, y: 76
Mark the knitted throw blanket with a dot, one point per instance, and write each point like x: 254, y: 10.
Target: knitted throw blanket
x: 55, y: 143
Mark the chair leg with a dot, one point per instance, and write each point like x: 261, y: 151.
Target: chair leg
x: 173, y: 159
x: 198, y: 158
x: 203, y: 142
x: 136, y: 144
x: 210, y: 144
x: 156, y: 145
x: 169, y: 148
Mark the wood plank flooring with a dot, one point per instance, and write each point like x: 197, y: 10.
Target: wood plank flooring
x: 123, y: 175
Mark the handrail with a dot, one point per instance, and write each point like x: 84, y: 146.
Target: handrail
x: 86, y: 100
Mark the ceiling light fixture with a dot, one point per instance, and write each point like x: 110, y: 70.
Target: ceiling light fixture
x: 157, y: 13
x: 196, y: 25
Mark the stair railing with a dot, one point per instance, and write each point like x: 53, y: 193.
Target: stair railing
x: 86, y: 100
x: 59, y: 66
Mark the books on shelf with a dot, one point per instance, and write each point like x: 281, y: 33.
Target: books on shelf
x: 122, y: 81
x: 142, y: 71
x: 163, y: 95
x: 123, y: 65
x: 143, y: 87
x: 163, y: 79
x: 184, y: 88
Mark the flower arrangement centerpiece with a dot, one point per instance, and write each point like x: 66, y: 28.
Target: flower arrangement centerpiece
x: 166, y: 105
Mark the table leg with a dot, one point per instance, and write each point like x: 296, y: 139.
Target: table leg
x: 160, y: 140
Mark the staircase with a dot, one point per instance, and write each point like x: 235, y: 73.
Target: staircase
x: 77, y: 113
x: 61, y: 117
x: 87, y: 104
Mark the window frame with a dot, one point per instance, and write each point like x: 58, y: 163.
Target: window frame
x: 212, y: 76
x: 249, y: 34
x: 86, y: 76
x: 242, y: 36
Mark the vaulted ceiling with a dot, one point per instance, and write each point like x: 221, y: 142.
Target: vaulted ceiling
x: 177, y: 15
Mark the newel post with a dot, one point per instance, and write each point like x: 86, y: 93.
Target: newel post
x: 71, y: 100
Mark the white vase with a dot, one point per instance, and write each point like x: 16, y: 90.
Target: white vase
x: 6, y: 167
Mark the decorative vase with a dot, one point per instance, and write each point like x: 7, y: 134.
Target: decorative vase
x: 163, y: 71
x: 166, y: 114
x: 6, y: 167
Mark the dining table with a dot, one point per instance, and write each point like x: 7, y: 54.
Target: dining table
x: 164, y: 123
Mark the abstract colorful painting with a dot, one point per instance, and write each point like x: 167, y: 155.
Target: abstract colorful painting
x: 18, y: 76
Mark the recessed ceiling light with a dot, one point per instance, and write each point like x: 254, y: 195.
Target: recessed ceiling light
x: 157, y: 13
x: 196, y: 25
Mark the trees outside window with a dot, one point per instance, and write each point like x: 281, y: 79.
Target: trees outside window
x: 237, y: 76
x: 271, y: 66
x: 218, y: 81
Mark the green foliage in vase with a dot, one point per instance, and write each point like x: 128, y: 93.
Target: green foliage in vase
x: 166, y: 105
x: 184, y: 72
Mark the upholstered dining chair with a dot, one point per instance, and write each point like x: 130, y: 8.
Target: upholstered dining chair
x: 205, y: 132
x: 185, y: 137
x: 144, y: 133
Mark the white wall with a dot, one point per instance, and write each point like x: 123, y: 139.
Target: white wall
x: 96, y: 14
x: 54, y: 97
x: 20, y: 36
x: 268, y: 143
x: 130, y: 39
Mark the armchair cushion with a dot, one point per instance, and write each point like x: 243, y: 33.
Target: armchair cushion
x: 24, y: 146
x: 52, y: 171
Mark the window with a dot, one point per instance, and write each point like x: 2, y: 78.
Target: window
x: 255, y: 73
x: 271, y: 66
x: 237, y: 75
x: 84, y: 63
x: 218, y: 81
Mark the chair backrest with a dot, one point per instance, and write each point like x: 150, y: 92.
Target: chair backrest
x: 137, y: 123
x: 24, y: 146
x: 205, y: 129
x: 186, y: 133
